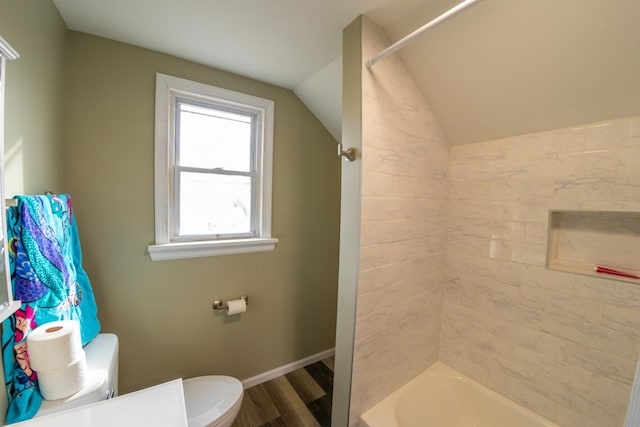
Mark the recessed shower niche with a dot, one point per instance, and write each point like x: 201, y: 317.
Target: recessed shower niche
x: 581, y: 240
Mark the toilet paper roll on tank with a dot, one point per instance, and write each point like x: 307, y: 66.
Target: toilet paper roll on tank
x: 56, y: 354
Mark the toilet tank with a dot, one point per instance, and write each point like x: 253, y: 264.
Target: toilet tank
x: 102, y: 383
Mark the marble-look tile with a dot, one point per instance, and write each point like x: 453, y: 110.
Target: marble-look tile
x: 394, y: 208
x: 541, y: 277
x: 404, y: 163
x: 575, y: 377
x: 403, y: 231
x: 518, y: 334
x: 561, y: 344
x: 453, y: 358
x: 457, y: 172
x: 391, y: 295
x: 526, y: 210
x: 509, y: 386
x: 629, y: 161
x: 597, y: 188
x: 479, y: 151
x: 389, y: 231
x: 600, y: 163
x: 385, y: 275
x: 545, y: 143
x: 550, y: 345
x: 472, y: 264
x: 610, y: 393
x: 526, y: 253
x: 465, y: 244
x: 513, y: 312
x: 474, y: 301
x: 502, y: 189
x: 612, y: 134
x: 600, y: 362
x: 384, y: 135
x: 479, y: 209
x: 558, y: 319
x: 622, y: 319
x: 557, y: 304
x: 491, y: 287
x: 587, y: 334
x: 377, y: 184
x: 463, y: 318
x: 489, y: 228
x: 607, y: 291
x: 570, y: 418
x: 490, y: 170
x: 372, y: 256
x: 536, y: 232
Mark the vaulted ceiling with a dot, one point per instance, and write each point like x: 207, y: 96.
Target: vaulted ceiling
x: 500, y: 68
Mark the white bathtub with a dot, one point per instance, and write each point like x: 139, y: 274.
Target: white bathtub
x: 442, y: 397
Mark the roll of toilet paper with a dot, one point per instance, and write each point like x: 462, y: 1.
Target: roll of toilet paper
x: 236, y: 306
x: 55, y: 345
x: 63, y: 382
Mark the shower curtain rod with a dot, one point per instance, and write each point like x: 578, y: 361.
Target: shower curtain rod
x: 406, y: 39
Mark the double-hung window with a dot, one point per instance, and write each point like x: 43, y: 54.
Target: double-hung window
x: 213, y: 155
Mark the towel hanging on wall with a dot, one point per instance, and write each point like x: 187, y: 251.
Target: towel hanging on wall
x: 45, y: 262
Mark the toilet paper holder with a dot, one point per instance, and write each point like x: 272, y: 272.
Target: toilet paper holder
x: 219, y: 304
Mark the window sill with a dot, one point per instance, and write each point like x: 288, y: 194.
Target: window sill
x: 169, y: 251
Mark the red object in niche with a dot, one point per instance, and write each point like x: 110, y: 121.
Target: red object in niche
x: 607, y: 270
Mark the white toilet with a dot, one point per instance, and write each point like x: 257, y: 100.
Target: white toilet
x: 210, y: 401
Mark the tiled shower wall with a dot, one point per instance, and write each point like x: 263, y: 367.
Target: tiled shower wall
x: 562, y: 344
x: 403, y: 231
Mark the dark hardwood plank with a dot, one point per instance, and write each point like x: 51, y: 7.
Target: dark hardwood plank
x: 278, y: 422
x: 322, y: 375
x: 301, y: 398
x: 330, y: 362
x: 321, y: 410
x: 292, y: 409
x: 305, y: 385
x: 257, y: 408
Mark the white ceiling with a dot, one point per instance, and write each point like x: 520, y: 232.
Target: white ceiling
x: 508, y: 67
x: 501, y: 68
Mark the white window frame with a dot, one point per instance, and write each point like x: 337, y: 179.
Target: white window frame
x: 166, y: 246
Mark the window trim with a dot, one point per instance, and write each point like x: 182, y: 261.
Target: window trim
x: 254, y: 173
x: 167, y: 88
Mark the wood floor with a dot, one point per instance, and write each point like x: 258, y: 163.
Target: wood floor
x: 301, y: 398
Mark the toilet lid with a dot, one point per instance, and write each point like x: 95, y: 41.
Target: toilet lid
x: 209, y: 398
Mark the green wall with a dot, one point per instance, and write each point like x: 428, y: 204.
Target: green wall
x: 161, y: 310
x: 34, y: 95
x: 33, y: 101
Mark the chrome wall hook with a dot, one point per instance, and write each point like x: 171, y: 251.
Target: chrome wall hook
x: 349, y: 154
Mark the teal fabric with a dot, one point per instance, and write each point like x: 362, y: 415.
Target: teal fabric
x: 45, y: 261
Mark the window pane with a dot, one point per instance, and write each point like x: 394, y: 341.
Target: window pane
x: 212, y: 138
x: 214, y: 204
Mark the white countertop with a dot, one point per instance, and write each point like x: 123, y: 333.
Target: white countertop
x: 159, y: 406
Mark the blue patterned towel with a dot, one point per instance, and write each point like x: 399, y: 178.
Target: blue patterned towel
x: 45, y: 261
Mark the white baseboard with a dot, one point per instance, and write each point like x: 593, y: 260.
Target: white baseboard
x: 290, y: 367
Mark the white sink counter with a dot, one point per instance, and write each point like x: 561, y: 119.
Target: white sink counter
x: 159, y: 406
